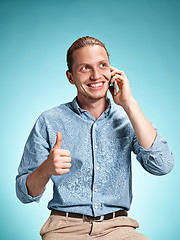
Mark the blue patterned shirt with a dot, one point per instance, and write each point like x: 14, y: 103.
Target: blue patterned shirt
x: 100, y: 179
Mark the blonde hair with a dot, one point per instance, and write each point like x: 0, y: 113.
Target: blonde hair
x: 79, y: 43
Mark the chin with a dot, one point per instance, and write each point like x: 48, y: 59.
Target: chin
x: 94, y: 96
x: 97, y: 97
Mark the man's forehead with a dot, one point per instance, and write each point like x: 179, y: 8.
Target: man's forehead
x: 90, y: 53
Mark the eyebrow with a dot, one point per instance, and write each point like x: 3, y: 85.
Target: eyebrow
x: 101, y: 61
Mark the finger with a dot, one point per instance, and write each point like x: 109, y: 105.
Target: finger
x: 112, y: 68
x: 61, y: 152
x: 58, y: 159
x: 57, y: 145
x: 115, y: 71
x: 119, y: 79
x: 58, y: 164
x: 65, y: 159
x: 65, y: 153
x: 66, y: 165
x: 62, y: 171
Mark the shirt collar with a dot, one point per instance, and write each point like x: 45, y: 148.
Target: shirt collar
x: 79, y: 110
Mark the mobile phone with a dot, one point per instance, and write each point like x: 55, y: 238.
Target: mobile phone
x: 114, y: 85
x: 115, y: 88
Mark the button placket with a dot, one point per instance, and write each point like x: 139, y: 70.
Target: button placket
x: 96, y: 168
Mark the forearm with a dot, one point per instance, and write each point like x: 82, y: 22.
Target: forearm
x: 37, y: 180
x: 144, y: 131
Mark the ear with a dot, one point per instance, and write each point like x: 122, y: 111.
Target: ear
x: 70, y: 77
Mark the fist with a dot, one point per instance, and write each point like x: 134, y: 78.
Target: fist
x: 59, y: 159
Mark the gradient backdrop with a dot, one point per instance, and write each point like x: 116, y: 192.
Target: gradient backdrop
x: 143, y: 40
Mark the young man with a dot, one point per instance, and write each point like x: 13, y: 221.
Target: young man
x: 85, y: 147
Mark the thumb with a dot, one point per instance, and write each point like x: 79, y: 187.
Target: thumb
x: 58, y: 141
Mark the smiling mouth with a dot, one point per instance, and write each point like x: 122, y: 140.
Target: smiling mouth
x: 95, y: 85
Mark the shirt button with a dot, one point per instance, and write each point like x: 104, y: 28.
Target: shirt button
x: 97, y: 168
x: 96, y: 206
x: 96, y: 190
x: 95, y: 125
x: 96, y: 146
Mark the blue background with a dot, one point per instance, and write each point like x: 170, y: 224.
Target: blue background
x: 142, y: 38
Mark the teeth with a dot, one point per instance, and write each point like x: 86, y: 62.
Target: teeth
x: 96, y: 85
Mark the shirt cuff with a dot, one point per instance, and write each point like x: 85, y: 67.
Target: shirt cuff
x: 22, y: 192
x: 158, y: 159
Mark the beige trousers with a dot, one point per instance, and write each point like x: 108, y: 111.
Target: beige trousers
x: 66, y: 228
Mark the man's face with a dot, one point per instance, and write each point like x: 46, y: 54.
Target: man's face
x: 91, y: 72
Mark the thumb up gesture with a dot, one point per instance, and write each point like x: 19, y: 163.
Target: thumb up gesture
x: 59, y: 159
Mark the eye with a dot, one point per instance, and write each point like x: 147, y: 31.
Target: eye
x: 102, y: 65
x: 85, y: 68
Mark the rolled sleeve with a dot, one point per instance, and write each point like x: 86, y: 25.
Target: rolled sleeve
x: 22, y: 192
x: 36, y: 151
x: 158, y: 160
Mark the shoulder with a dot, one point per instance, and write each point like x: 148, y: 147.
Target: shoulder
x: 55, y: 113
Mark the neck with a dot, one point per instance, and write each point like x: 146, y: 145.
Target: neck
x: 95, y: 107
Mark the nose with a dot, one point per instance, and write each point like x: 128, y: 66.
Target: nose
x: 95, y: 74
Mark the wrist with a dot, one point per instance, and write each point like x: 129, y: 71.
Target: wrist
x: 37, y: 180
x: 130, y: 105
x: 46, y: 168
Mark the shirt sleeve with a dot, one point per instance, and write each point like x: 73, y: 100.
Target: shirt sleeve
x: 36, y: 150
x: 158, y: 160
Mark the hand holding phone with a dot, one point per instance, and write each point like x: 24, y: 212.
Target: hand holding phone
x: 120, y: 87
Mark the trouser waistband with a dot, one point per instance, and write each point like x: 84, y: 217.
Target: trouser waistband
x: 90, y: 218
